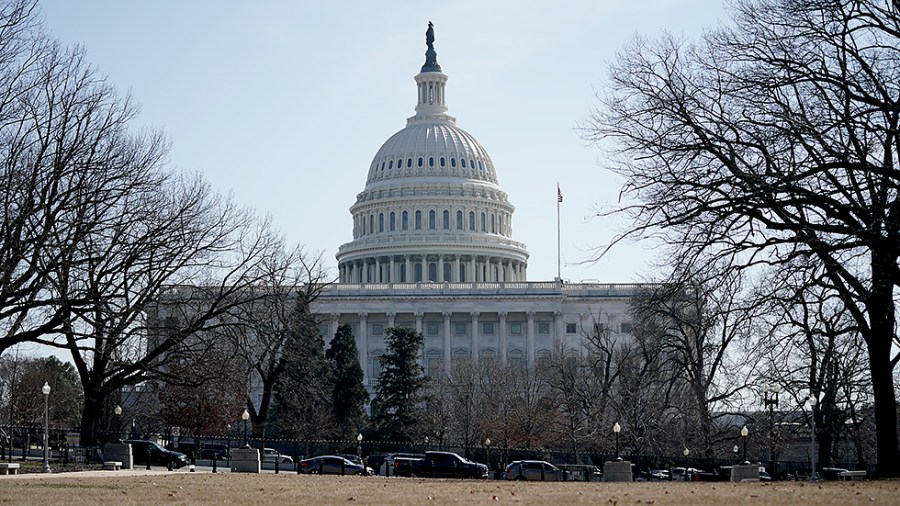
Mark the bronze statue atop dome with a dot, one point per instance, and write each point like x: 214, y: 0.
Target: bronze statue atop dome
x: 429, y: 36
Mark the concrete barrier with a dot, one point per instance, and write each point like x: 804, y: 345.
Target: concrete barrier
x: 245, y: 460
x: 617, y: 470
x: 744, y: 472
x: 112, y: 465
x: 9, y: 468
x: 119, y: 452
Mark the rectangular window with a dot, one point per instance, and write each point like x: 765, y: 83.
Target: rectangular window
x: 625, y: 328
x: 460, y: 329
x: 324, y: 330
x: 571, y: 328
x: 543, y: 328
x: 432, y: 329
x: 515, y: 329
x: 377, y: 329
x: 487, y: 329
x: 433, y: 367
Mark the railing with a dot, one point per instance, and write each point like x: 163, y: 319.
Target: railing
x: 492, y: 288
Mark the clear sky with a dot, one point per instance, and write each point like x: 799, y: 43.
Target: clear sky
x: 285, y: 103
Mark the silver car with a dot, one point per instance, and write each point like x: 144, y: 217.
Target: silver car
x: 533, y: 470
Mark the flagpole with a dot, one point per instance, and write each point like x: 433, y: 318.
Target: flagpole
x: 558, y: 256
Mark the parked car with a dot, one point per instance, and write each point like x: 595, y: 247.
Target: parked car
x: 440, y: 465
x: 332, y: 464
x: 533, y: 470
x: 831, y: 473
x: 158, y: 456
x: 356, y: 459
x: 271, y: 455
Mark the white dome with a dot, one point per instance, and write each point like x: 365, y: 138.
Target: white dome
x: 431, y: 149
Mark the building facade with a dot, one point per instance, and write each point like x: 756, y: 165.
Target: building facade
x: 433, y: 249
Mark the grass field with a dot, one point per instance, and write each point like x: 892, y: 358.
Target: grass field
x: 291, y: 489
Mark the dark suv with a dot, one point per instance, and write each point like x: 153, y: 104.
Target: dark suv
x: 159, y: 456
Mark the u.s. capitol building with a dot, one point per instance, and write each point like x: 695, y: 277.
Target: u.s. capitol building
x: 433, y: 249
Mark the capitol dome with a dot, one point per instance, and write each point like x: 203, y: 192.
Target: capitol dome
x: 432, y: 208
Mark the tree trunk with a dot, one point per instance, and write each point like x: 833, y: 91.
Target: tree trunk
x: 92, y: 420
x: 879, y: 342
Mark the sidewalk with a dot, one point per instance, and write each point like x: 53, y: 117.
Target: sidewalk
x: 141, y: 471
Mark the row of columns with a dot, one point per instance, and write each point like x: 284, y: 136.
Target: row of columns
x: 477, y: 269
x: 362, y: 335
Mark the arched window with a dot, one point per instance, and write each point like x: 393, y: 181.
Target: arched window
x: 431, y: 220
x: 404, y: 221
x: 408, y: 163
x: 493, y: 224
x: 421, y: 161
x: 380, y: 223
x: 403, y: 278
x: 483, y: 222
x: 462, y: 272
x: 400, y: 163
x: 418, y: 274
x: 448, y: 271
x: 443, y: 162
x: 418, y: 220
x: 459, y: 220
x: 446, y: 221
x: 431, y: 161
x: 393, y: 221
x: 472, y: 220
x: 500, y: 219
x: 371, y: 223
x: 391, y: 165
x: 432, y: 271
x: 462, y: 161
x: 453, y: 162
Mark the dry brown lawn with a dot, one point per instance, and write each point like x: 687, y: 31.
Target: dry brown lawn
x: 291, y: 489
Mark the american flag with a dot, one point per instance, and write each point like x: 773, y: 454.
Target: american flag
x: 558, y: 194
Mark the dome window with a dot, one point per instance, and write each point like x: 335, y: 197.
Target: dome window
x: 472, y: 163
x: 443, y: 162
x: 404, y: 221
x: 408, y: 163
x: 446, y: 221
x: 421, y: 160
x: 391, y: 165
x: 483, y: 222
x: 459, y: 220
x: 493, y: 224
x: 418, y: 220
x: 472, y: 220
x: 392, y: 222
x: 382, y: 165
x: 431, y: 220
x: 462, y: 161
x: 480, y: 165
x: 431, y: 161
x: 399, y: 163
x: 380, y: 223
x: 371, y: 223
x: 453, y: 162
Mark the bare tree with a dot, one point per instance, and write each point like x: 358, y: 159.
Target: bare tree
x: 772, y: 140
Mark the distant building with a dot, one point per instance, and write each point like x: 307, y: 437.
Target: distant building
x: 433, y: 249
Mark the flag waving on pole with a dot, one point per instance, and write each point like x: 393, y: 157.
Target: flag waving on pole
x: 558, y: 194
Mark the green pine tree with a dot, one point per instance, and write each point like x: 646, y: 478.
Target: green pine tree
x: 397, y: 403
x: 349, y: 395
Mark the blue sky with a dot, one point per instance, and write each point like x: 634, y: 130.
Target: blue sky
x: 284, y: 103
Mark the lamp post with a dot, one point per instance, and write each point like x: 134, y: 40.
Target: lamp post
x: 46, y: 391
x: 744, y: 434
x: 617, y: 429
x: 487, y: 446
x: 359, y: 439
x: 812, y: 435
x: 770, y: 400
x: 245, y: 416
x: 686, y: 452
x: 426, y: 443
x: 118, y: 412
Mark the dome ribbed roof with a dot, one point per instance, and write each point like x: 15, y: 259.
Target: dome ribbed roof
x: 432, y: 149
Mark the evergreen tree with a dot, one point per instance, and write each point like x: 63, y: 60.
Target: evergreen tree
x: 399, y: 385
x: 349, y: 395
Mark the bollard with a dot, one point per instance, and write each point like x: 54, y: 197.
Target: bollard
x: 520, y: 471
x: 149, y: 455
x: 215, y: 460
x: 321, y: 466
x: 542, y: 472
x: 454, y: 468
x: 299, y: 458
x: 193, y: 461
x: 277, y: 460
x: 169, y: 465
x: 343, y: 468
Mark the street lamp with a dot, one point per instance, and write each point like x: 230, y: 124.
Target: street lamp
x: 770, y: 400
x: 118, y: 412
x: 245, y: 416
x: 812, y: 435
x: 617, y: 429
x: 744, y: 433
x: 426, y: 443
x: 46, y: 391
x: 359, y: 439
x: 487, y: 445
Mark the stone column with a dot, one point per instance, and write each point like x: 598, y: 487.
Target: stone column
x: 352, y: 268
x: 390, y: 317
x: 470, y: 276
x: 419, y: 317
x: 424, y: 262
x: 529, y: 338
x: 362, y: 342
x: 377, y: 277
x: 409, y: 278
x: 502, y: 333
x: 440, y: 269
x: 558, y: 326
x: 455, y: 274
x: 476, y: 336
x: 447, y: 343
